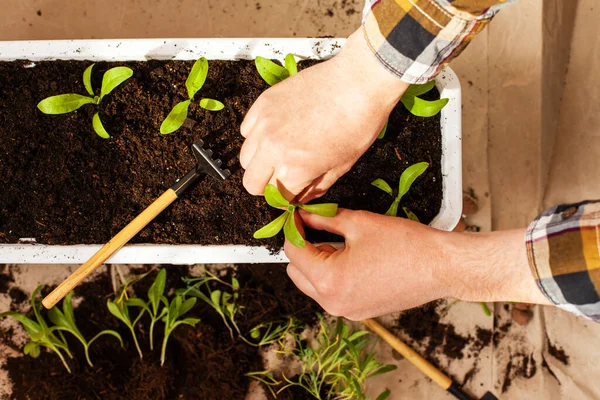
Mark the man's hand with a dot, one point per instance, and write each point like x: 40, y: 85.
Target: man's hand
x: 307, y: 131
x: 391, y: 264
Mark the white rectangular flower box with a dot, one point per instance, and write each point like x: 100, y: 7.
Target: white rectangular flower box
x: 217, y: 49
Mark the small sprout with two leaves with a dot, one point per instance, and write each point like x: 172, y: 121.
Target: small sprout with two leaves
x: 273, y: 73
x: 64, y: 320
x: 406, y: 180
x: 66, y: 103
x: 417, y: 106
x: 155, y: 299
x: 40, y: 334
x: 173, y: 318
x: 287, y: 220
x: 224, y: 303
x: 266, y: 334
x: 120, y: 309
x: 194, y: 83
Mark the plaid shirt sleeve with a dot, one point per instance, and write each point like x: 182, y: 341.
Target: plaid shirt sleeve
x: 563, y: 246
x: 415, y: 38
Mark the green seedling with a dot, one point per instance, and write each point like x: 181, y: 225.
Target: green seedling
x: 177, y: 309
x: 64, y: 320
x: 406, y: 180
x: 66, y: 103
x: 339, y: 363
x: 40, y: 334
x: 486, y: 309
x: 267, y: 334
x: 120, y: 309
x: 273, y: 73
x: 194, y: 83
x: 417, y: 106
x: 411, y: 215
x: 287, y: 220
x: 155, y: 299
x: 224, y: 303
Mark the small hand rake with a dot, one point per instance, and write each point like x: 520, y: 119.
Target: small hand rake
x: 205, y: 166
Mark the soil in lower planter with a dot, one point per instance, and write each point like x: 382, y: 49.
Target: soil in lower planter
x: 62, y: 184
x: 202, y: 362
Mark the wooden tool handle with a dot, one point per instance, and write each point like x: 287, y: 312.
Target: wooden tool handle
x: 432, y: 372
x: 118, y: 241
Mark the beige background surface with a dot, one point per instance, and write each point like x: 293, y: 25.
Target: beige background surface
x: 531, y: 136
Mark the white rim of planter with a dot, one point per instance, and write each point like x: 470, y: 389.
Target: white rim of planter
x: 28, y: 252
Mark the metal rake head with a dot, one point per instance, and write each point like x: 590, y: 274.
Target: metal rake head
x: 207, y: 164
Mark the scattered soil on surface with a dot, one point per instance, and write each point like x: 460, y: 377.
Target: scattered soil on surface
x: 520, y: 366
x: 63, y: 184
x: 423, y: 328
x: 203, y: 362
x: 558, y: 353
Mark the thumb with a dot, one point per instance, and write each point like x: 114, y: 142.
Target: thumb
x: 340, y: 224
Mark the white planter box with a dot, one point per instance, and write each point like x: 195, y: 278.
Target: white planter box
x: 218, y: 49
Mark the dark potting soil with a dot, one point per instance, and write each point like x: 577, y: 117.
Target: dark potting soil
x: 62, y: 184
x: 203, y: 362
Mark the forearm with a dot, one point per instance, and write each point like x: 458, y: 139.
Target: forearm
x: 490, y: 267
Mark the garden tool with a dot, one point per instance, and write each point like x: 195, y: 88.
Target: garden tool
x: 427, y: 368
x: 205, y: 166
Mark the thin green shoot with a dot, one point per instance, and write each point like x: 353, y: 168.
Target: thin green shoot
x: 66, y: 103
x: 267, y: 334
x: 287, y: 220
x: 40, y: 334
x: 120, y: 308
x: 195, y: 81
x: 155, y: 300
x: 407, y: 178
x: 64, y: 320
x: 176, y: 310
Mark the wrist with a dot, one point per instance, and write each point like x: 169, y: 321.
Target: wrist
x: 490, y: 267
x: 383, y: 88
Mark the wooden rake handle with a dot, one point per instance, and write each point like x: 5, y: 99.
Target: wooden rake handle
x: 118, y: 241
x: 432, y: 372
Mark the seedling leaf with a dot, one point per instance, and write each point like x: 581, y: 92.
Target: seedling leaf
x: 324, y: 210
x: 270, y: 72
x: 411, y: 215
x: 423, y: 108
x: 384, y: 395
x: 419, y: 89
x: 113, y: 78
x: 274, y: 198
x: 30, y: 326
x: 291, y: 231
x: 383, y: 131
x: 99, y: 128
x: 393, y: 210
x: 197, y: 77
x: 383, y: 185
x: 211, y: 104
x: 409, y: 175
x: 176, y: 118
x: 271, y: 229
x: 157, y: 289
x: 87, y: 79
x: 187, y: 306
x: 32, y: 349
x: 290, y: 64
x: 63, y: 103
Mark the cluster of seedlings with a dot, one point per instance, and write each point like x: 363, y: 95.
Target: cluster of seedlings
x: 335, y: 366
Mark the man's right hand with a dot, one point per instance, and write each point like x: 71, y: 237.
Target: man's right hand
x: 306, y: 132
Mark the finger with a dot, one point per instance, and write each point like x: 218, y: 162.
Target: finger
x: 327, y: 248
x: 290, y: 181
x: 318, y: 187
x: 250, y: 120
x: 341, y: 224
x: 248, y: 151
x: 256, y: 178
x: 301, y: 282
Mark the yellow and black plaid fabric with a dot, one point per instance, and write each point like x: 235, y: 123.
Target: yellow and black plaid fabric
x: 416, y: 38
x: 563, y: 246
